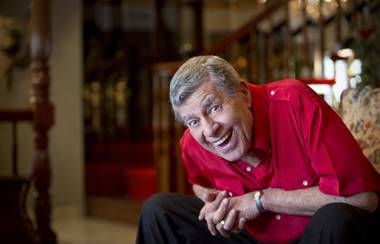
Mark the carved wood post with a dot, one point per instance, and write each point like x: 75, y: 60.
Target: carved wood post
x: 289, y: 71
x: 43, y: 115
x: 322, y: 36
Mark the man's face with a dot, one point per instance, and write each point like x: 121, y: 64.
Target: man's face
x: 221, y: 124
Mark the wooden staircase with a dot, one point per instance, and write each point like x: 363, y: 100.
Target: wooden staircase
x: 277, y: 43
x: 15, y: 225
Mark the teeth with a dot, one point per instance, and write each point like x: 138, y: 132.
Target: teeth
x: 225, y: 137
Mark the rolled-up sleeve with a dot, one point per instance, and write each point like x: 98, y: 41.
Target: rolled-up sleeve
x: 335, y: 155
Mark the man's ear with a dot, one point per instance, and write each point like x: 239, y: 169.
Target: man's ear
x: 245, y: 91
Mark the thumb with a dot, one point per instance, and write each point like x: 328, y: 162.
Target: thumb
x: 210, y: 196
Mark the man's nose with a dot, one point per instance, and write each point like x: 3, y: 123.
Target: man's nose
x: 210, y: 127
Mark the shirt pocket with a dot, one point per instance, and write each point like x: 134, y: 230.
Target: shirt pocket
x: 306, y: 179
x: 302, y: 177
x: 233, y: 187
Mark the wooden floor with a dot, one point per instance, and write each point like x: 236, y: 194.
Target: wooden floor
x: 119, y: 209
x: 74, y: 227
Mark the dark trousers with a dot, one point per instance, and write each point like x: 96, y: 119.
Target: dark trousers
x: 169, y: 218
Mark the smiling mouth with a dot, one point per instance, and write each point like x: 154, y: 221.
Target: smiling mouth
x: 224, y: 140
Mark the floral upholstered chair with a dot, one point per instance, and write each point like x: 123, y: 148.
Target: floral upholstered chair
x: 360, y: 111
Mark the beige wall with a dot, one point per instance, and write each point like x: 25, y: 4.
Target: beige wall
x: 66, y: 73
x: 66, y: 137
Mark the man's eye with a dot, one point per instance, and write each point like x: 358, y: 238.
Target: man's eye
x: 214, y: 108
x: 192, y: 123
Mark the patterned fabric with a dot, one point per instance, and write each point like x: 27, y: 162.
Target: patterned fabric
x: 360, y: 111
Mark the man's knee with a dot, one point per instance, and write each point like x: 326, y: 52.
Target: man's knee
x: 334, y: 214
x: 158, y: 203
x: 337, y: 223
x: 340, y: 222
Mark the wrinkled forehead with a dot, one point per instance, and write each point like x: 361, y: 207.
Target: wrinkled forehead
x: 198, y: 101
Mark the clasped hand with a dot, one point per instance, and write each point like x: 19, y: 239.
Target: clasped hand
x: 227, y: 215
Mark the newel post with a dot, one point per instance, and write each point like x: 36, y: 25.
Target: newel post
x: 43, y: 110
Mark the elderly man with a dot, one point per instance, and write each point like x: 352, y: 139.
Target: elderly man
x: 268, y: 164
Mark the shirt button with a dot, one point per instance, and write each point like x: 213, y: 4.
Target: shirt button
x: 278, y: 217
x: 248, y: 169
x: 230, y: 194
x: 272, y: 92
x: 305, y: 183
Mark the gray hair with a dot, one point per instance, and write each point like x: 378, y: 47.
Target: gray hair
x: 197, y: 70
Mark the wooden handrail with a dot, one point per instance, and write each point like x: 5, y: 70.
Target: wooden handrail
x: 14, y: 116
x: 319, y: 81
x: 8, y: 115
x: 246, y: 28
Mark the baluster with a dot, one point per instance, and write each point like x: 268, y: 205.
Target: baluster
x: 360, y: 14
x: 321, y: 37
x: 242, y: 57
x: 165, y: 136
x: 288, y: 40
x: 197, y: 7
x: 14, y: 149
x: 338, y: 20
x: 43, y: 115
x: 260, y: 51
x: 354, y: 16
x: 307, y: 67
x: 156, y: 123
x: 252, y: 56
x: 270, y: 50
x: 180, y: 170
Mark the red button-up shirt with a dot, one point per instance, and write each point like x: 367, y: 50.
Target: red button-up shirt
x: 301, y: 143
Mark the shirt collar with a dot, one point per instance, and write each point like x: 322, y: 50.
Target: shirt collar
x: 261, y: 137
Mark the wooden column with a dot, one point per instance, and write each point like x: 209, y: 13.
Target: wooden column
x: 43, y: 115
x: 322, y: 37
x: 252, y: 56
x: 339, y: 22
x: 270, y: 61
x: 197, y: 7
x: 288, y: 41
x: 171, y: 175
x: 306, y: 43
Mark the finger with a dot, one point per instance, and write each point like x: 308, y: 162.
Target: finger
x: 202, y: 213
x: 221, y: 212
x: 222, y: 231
x: 241, y: 224
x: 219, y: 198
x: 212, y: 206
x: 230, y: 220
x: 210, y: 224
x: 221, y: 204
